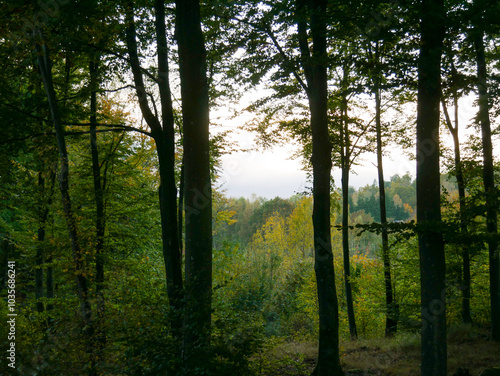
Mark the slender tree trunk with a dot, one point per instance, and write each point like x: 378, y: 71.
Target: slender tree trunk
x: 39, y: 258
x: 49, y: 282
x: 430, y: 239
x: 197, y: 184
x: 40, y: 252
x: 49, y: 274
x: 163, y: 134
x: 171, y: 247
x: 181, y: 207
x: 165, y: 145
x: 165, y: 142
x: 391, y: 311
x: 100, y: 217
x: 45, y: 65
x: 315, y: 68
x: 464, y: 249
x: 489, y: 185
x: 345, y: 162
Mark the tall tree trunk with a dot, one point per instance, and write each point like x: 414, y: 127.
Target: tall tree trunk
x: 40, y: 251
x: 489, y: 185
x: 345, y: 158
x: 49, y: 283
x: 45, y: 66
x: 165, y: 144
x: 163, y: 133
x: 315, y: 69
x: 39, y: 258
x: 197, y: 185
x: 464, y: 249
x: 430, y: 239
x: 391, y: 310
x: 100, y: 218
x: 180, y: 214
x: 49, y: 274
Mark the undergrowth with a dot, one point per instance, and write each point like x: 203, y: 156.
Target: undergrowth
x: 468, y: 348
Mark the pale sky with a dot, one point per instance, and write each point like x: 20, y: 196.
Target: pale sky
x: 272, y: 173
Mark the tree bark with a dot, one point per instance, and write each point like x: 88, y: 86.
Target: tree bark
x: 100, y: 217
x: 391, y: 310
x: 180, y: 214
x: 430, y: 239
x: 49, y: 274
x: 489, y: 185
x: 39, y: 258
x: 197, y: 184
x: 345, y: 158
x: 464, y: 249
x: 164, y: 135
x: 315, y: 68
x: 41, y: 255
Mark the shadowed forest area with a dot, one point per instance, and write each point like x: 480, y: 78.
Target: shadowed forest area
x: 122, y: 253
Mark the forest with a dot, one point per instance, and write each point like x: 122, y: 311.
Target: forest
x: 121, y: 251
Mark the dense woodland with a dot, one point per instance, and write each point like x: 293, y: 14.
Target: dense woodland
x: 121, y: 254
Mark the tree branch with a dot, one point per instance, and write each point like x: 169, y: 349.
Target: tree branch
x: 267, y: 29
x: 114, y: 126
x: 74, y: 133
x: 131, y: 40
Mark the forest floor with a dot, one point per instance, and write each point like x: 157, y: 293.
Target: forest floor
x: 399, y: 356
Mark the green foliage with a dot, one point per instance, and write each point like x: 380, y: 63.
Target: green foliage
x: 264, y: 286
x: 400, y: 199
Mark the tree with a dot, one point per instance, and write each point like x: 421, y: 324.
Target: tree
x: 479, y: 14
x: 346, y: 159
x: 430, y: 239
x: 382, y: 67
x: 45, y: 65
x: 163, y: 132
x: 100, y: 220
x: 198, y: 196
x: 315, y: 70
x: 391, y: 319
x: 466, y: 274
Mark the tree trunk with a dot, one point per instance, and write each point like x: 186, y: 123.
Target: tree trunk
x: 40, y: 252
x: 165, y: 144
x: 489, y: 185
x: 45, y: 65
x: 464, y: 249
x: 100, y: 218
x: 163, y: 134
x: 49, y: 282
x: 345, y: 162
x: 180, y: 214
x: 197, y: 185
x: 430, y: 239
x: 391, y: 311
x: 315, y: 68
x: 49, y: 274
x: 39, y: 258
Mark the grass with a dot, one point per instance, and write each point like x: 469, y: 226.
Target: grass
x: 468, y: 348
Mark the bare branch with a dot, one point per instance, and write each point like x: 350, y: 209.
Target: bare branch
x: 75, y: 133
x: 114, y: 126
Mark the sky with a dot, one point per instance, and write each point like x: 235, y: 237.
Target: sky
x: 273, y: 173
